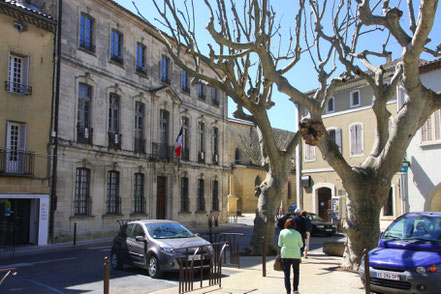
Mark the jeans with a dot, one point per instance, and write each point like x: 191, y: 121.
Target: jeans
x: 287, y: 262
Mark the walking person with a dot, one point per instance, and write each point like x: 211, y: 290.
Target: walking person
x: 300, y: 226
x: 290, y: 242
x: 308, y: 233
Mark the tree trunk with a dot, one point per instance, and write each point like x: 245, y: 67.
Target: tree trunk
x: 363, y: 220
x: 264, y: 223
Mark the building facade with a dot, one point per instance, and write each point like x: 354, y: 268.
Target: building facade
x: 122, y: 105
x: 246, y: 174
x: 348, y: 118
x: 26, y: 63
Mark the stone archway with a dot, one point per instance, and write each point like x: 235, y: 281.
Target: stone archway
x: 433, y: 201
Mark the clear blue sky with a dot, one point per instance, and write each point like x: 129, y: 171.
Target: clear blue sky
x: 303, y: 77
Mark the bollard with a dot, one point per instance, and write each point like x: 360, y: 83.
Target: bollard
x: 75, y: 235
x: 106, y: 275
x: 367, y: 280
x: 263, y: 257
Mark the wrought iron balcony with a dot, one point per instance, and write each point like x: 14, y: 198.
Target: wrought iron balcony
x: 185, y: 154
x: 17, y: 88
x: 161, y: 152
x: 139, y: 145
x: 84, y: 135
x: 16, y: 162
x: 114, y: 140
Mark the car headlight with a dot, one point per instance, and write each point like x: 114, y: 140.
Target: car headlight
x: 320, y: 226
x: 430, y: 269
x: 166, y: 249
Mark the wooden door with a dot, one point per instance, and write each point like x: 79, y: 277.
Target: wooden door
x: 324, y: 202
x: 161, y: 197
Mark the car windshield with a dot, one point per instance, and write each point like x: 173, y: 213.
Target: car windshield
x: 168, y: 231
x: 314, y: 217
x: 418, y: 227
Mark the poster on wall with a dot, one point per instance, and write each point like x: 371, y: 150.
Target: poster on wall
x: 336, y: 208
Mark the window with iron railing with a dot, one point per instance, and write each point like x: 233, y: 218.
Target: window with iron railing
x: 82, y: 200
x: 201, y: 196
x: 18, y: 75
x: 185, y: 201
x: 84, y: 133
x: 215, y: 196
x: 114, y: 137
x: 138, y: 194
x: 139, y: 128
x: 113, y: 201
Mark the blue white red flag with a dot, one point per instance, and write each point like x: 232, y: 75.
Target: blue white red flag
x: 178, y: 145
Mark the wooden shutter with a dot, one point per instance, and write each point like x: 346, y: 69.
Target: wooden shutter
x: 338, y: 139
x: 352, y: 131
x: 436, y: 124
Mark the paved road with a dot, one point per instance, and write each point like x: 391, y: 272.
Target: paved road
x: 80, y: 270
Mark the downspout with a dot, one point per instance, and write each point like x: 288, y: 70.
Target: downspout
x: 299, y: 166
x: 53, y: 205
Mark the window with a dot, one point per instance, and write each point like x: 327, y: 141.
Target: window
x: 431, y: 129
x: 237, y: 157
x: 335, y: 135
x: 330, y: 107
x: 185, y: 139
x: 402, y: 97
x: 201, y: 91
x: 185, y: 202
x: 214, y: 97
x: 140, y: 58
x: 163, y: 127
x: 113, y: 132
x: 356, y: 132
x: 309, y: 152
x: 388, y: 208
x: 355, y: 98
x: 18, y: 76
x: 138, y: 194
x: 165, y: 64
x: 201, y: 197
x: 185, y: 85
x: 16, y: 159
x: 201, y: 142
x: 138, y: 231
x: 113, y: 200
x: 215, y: 145
x: 215, y: 196
x: 86, y: 33
x: 139, y: 127
x: 116, y: 47
x: 82, y: 192
x: 83, y: 114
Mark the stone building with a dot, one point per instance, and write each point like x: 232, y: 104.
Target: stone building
x: 246, y: 172
x: 122, y: 105
x: 26, y: 63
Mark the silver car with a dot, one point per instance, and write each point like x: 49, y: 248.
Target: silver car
x: 149, y: 244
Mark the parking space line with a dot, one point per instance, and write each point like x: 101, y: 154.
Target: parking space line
x: 45, y: 286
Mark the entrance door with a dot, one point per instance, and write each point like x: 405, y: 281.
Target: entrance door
x: 324, y: 202
x: 161, y: 195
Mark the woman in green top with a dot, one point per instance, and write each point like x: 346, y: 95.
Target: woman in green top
x: 290, y: 242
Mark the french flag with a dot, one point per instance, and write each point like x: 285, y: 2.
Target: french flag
x: 178, y: 145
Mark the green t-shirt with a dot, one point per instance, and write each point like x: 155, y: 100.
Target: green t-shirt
x: 290, y: 241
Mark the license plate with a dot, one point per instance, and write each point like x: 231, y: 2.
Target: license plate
x: 196, y: 257
x: 328, y: 230
x: 387, y: 276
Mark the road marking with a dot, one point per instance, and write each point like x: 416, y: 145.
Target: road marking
x: 45, y: 286
x: 100, y: 247
x: 37, y: 262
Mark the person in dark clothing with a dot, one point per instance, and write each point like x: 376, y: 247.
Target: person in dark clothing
x: 308, y: 232
x: 300, y: 227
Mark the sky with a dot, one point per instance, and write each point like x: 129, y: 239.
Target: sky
x: 303, y: 76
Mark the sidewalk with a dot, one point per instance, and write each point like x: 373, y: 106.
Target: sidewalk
x: 318, y: 274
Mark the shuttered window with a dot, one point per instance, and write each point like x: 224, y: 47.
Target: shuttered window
x: 335, y: 135
x: 309, y: 152
x: 356, y: 132
x: 431, y: 129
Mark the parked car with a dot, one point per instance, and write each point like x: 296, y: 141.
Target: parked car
x: 320, y: 226
x: 408, y: 256
x: 149, y: 244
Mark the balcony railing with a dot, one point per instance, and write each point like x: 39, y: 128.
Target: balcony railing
x: 161, y: 152
x: 16, y: 162
x: 139, y: 145
x: 84, y: 135
x: 185, y: 154
x: 17, y: 88
x: 114, y: 140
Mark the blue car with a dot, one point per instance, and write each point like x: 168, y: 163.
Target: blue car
x: 408, y: 256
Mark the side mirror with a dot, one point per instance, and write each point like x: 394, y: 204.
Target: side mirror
x: 140, y: 238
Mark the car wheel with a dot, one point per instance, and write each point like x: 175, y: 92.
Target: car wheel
x: 115, y: 261
x: 153, y: 267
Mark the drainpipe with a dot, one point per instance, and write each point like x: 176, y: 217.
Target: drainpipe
x: 53, y: 204
x: 299, y: 167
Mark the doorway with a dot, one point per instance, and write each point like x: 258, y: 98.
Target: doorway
x: 324, y: 203
x: 161, y: 197
x: 15, y: 221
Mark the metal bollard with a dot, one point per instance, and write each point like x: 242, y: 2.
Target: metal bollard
x: 75, y: 235
x: 106, y: 275
x: 263, y: 257
x: 367, y: 279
